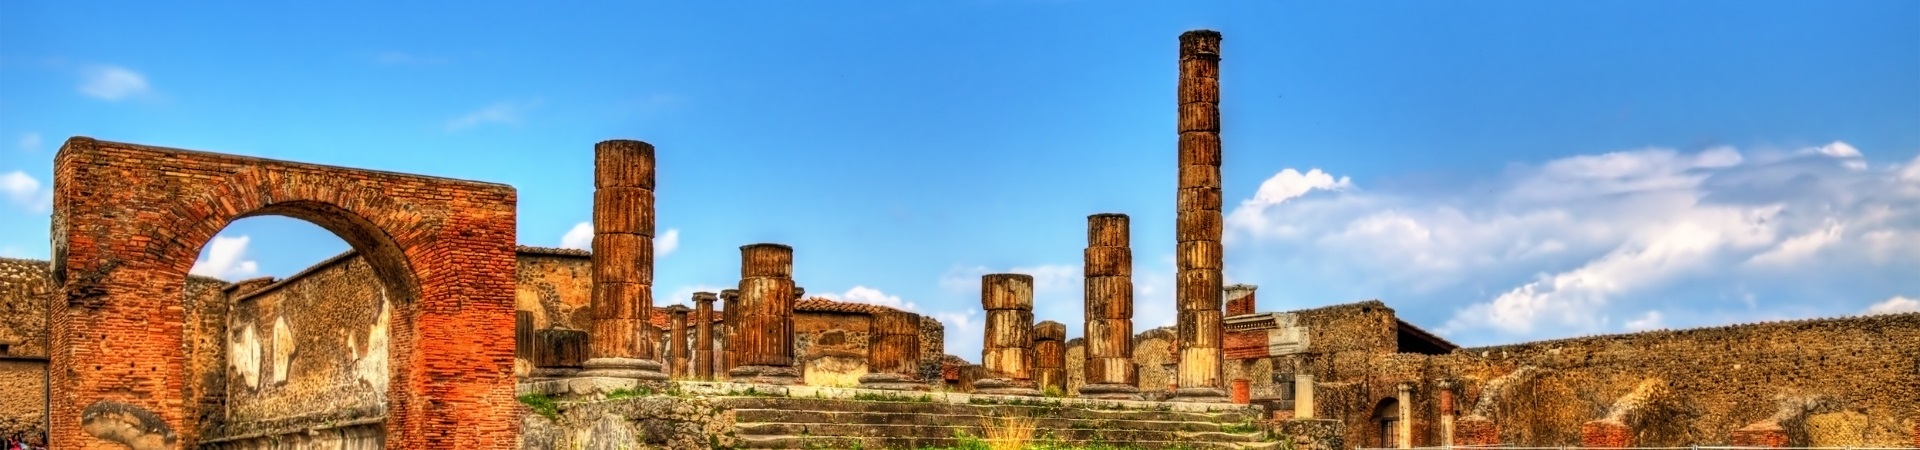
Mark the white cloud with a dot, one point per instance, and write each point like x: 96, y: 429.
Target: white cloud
x: 580, y: 237
x: 684, y: 295
x: 224, y: 260
x: 965, y: 332
x: 666, y: 243
x: 1648, y: 321
x: 1895, y: 305
x: 29, y: 141
x: 1046, y: 277
x: 503, y: 113
x: 863, y: 294
x: 23, y: 190
x: 1573, y: 244
x: 111, y: 83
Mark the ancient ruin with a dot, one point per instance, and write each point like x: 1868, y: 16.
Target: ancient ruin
x: 1199, y: 222
x: 436, y: 331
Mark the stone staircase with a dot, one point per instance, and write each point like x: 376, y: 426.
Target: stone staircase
x: 912, y: 423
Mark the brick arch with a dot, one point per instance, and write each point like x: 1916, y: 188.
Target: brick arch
x: 129, y: 220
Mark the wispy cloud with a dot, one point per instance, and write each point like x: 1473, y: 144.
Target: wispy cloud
x: 581, y: 237
x: 1567, y: 246
x: 25, y: 191
x: 863, y: 294
x: 501, y: 113
x: 226, y: 259
x: 29, y: 141
x: 112, y: 83
x: 397, y: 58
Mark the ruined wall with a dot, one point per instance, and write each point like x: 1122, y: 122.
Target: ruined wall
x: 1696, y: 386
x: 24, y: 287
x: 1076, y: 365
x: 309, y: 349
x: 832, y: 347
x: 553, y: 289
x: 1153, y: 356
x: 23, y: 397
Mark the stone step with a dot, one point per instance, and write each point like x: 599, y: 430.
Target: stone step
x: 949, y: 431
x: 880, y: 443
x: 1038, y: 408
x: 748, y: 416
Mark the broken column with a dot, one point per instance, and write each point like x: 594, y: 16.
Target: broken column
x: 1008, y: 353
x: 1109, y: 309
x: 1050, y: 357
x: 621, y: 342
x: 1240, y: 299
x: 765, y: 336
x: 730, y: 326
x: 677, y: 341
x: 893, y: 360
x: 557, y: 353
x: 1198, y: 221
x: 703, y: 335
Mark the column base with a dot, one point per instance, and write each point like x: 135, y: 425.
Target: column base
x: 1005, y: 386
x: 775, y: 375
x: 1200, y: 395
x: 892, y: 382
x: 552, y: 373
x: 638, y: 369
x: 1110, y: 391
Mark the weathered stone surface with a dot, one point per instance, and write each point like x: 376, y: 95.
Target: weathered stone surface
x: 1050, y: 356
x: 1106, y: 370
x: 703, y: 340
x: 622, y: 342
x: 764, y: 342
x: 678, y: 346
x: 129, y: 220
x: 1008, y: 354
x: 558, y: 348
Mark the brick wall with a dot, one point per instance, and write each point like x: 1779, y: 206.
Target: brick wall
x: 129, y: 220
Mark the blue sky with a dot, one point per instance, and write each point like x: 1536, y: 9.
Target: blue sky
x: 1495, y: 171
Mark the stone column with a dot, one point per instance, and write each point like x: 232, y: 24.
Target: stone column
x: 677, y: 342
x: 730, y: 327
x: 1303, y: 396
x: 1240, y: 300
x: 893, y: 359
x: 1050, y: 356
x: 1008, y: 353
x: 1446, y: 412
x: 1198, y: 221
x: 621, y: 341
x: 765, y: 337
x: 1405, y: 398
x: 703, y: 335
x: 1110, y: 373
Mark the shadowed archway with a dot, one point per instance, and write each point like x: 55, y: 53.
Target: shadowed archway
x: 129, y: 221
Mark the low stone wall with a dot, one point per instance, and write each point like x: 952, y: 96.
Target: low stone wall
x: 1310, y: 434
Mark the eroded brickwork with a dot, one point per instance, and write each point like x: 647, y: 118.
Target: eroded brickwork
x: 129, y: 220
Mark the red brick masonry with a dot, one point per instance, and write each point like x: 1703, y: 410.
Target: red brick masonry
x: 129, y: 220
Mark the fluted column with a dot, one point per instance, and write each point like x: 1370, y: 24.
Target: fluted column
x: 1110, y: 372
x: 703, y: 335
x: 765, y: 338
x: 893, y: 358
x: 677, y: 342
x: 730, y: 321
x: 1050, y: 357
x: 1198, y: 222
x: 621, y: 343
x: 1008, y: 353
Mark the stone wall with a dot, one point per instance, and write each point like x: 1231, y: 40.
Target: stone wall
x: 1153, y: 355
x: 831, y: 348
x: 309, y: 349
x: 1697, y: 386
x: 553, y: 289
x: 24, y: 289
x: 23, y: 397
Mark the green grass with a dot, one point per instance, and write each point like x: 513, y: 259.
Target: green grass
x: 629, y: 393
x: 542, y: 404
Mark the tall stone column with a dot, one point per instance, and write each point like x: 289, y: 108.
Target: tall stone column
x: 765, y: 338
x: 893, y: 359
x: 621, y: 342
x: 677, y: 342
x: 703, y: 335
x: 1198, y: 227
x: 1050, y: 356
x: 730, y: 327
x: 1008, y: 353
x: 1110, y: 373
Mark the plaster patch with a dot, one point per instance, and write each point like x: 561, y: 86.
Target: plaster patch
x: 243, y: 350
x: 127, y: 425
x: 283, y: 346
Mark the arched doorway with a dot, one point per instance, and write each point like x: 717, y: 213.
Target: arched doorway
x: 1386, y: 423
x: 129, y: 220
